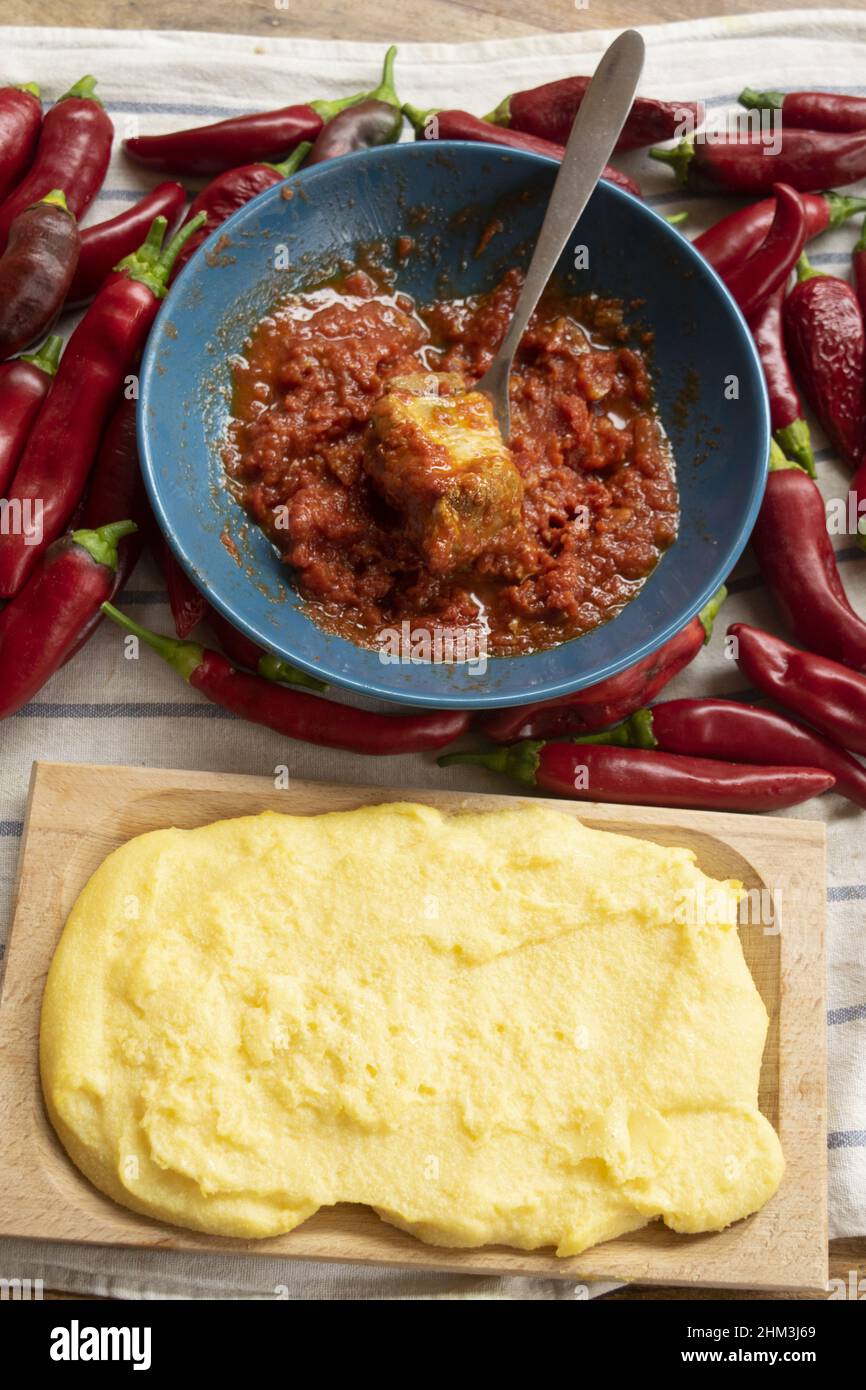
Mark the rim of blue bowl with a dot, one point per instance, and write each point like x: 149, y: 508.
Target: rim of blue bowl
x: 462, y: 699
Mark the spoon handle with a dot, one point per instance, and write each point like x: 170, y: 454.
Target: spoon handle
x: 595, y: 131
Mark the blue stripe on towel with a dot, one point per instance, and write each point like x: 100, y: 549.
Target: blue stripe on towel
x: 846, y: 1139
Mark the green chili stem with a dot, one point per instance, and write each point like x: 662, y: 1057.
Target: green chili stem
x: 678, y: 158
x: 46, y: 357
x: 84, y: 89
x: 761, y: 101
x: 184, y: 657
x: 709, y: 612
x: 101, y: 545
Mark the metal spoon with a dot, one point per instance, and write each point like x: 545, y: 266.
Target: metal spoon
x: 596, y: 129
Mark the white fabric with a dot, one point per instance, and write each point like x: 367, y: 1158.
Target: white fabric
x: 104, y: 709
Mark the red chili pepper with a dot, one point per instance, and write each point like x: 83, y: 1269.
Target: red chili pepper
x: 548, y: 111
x: 806, y: 159
x: 43, y: 623
x: 295, y: 713
x: 857, y: 493
x: 106, y: 243
x: 599, y: 705
x: 243, y: 652
x: 826, y: 342
x: 188, y: 605
x: 460, y: 125
x: 24, y: 384
x: 793, y: 549
x: 116, y: 488
x: 754, y: 280
x: 230, y: 191
x: 810, y: 110
x: 790, y: 429
x: 858, y: 261
x: 824, y: 692
x: 73, y: 153
x: 633, y: 776
x: 377, y: 120
x: 36, y: 270
x: 20, y: 124
x: 53, y: 471
x: 728, y: 242
x: 736, y: 733
x: 259, y: 138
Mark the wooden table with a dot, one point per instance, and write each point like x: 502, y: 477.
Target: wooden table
x: 383, y: 21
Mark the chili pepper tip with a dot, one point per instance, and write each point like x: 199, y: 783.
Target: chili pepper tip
x: 183, y: 656
x: 273, y: 668
x: 761, y: 101
x: 46, y: 357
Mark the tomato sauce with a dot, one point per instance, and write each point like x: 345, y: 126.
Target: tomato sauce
x: 599, y: 503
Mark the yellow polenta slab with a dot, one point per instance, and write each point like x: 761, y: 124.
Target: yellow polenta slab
x: 501, y: 1027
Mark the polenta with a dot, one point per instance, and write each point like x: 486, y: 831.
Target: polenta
x: 501, y: 1027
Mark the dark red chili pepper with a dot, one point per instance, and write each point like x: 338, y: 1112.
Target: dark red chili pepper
x: 295, y: 713
x: 72, y: 154
x: 823, y: 692
x: 116, y: 491
x: 548, y: 111
x: 728, y: 242
x: 460, y: 125
x: 807, y: 159
x: 857, y: 497
x: 230, y: 191
x: 377, y: 120
x: 826, y: 343
x: 793, y: 548
x: 36, y: 270
x: 43, y: 623
x: 634, y: 776
x: 786, y: 411
x: 259, y: 138
x: 53, y: 470
x: 243, y: 652
x: 810, y: 110
x: 736, y: 733
x: 188, y: 605
x: 116, y: 488
x: 599, y: 705
x: 754, y: 280
x: 24, y: 384
x: 858, y: 260
x: 106, y: 243
x: 20, y: 124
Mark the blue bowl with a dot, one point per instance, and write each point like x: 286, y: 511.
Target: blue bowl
x: 708, y: 379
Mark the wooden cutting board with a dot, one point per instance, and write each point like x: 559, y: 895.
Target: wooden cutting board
x: 77, y: 814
